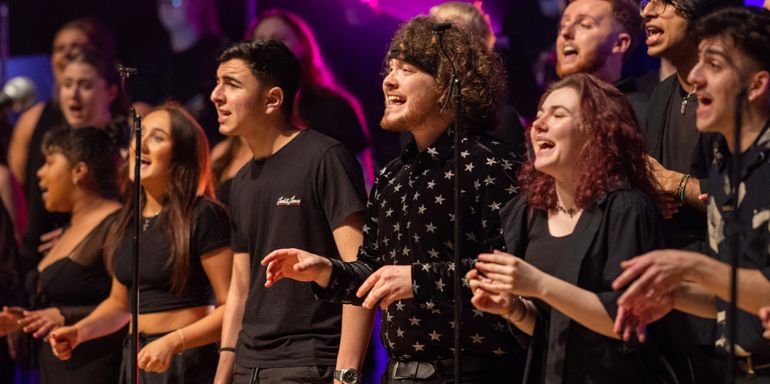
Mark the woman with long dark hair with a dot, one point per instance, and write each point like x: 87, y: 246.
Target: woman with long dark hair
x: 185, y: 260
x: 79, y: 177
x: 589, y: 202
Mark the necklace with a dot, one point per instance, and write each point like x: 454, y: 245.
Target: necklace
x: 571, y: 211
x: 147, y: 219
x: 688, y: 98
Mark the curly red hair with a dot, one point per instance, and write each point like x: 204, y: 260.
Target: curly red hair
x: 613, y: 154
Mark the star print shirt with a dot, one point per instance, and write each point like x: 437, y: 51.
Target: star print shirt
x: 410, y: 220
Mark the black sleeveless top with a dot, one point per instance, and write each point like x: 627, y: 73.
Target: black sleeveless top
x: 77, y: 283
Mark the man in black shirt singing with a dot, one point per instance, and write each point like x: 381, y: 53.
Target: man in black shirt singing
x: 302, y: 189
x: 734, y: 55
x: 405, y: 264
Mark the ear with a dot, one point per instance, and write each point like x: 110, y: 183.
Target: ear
x: 622, y: 43
x: 79, y: 172
x: 759, y: 86
x: 274, y: 100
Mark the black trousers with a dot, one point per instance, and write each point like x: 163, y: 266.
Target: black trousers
x: 193, y: 366
x: 321, y: 374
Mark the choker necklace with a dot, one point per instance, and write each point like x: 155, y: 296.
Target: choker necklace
x: 147, y: 219
x: 687, y: 99
x: 571, y: 211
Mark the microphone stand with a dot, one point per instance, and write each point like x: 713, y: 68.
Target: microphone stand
x: 136, y: 122
x: 735, y: 238
x: 454, y: 92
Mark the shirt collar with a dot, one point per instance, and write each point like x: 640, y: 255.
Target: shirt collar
x: 437, y: 153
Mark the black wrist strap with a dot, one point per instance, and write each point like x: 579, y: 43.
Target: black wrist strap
x: 226, y: 349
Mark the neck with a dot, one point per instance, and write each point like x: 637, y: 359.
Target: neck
x: 683, y: 66
x: 85, y: 203
x: 753, y: 121
x: 270, y: 138
x: 611, y: 72
x: 565, y: 193
x: 183, y: 37
x: 428, y: 132
x: 153, y: 198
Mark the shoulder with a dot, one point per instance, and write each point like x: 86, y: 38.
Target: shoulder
x: 483, y: 147
x: 629, y: 199
x: 315, y: 146
x: 209, y: 210
x: 220, y: 149
x: 666, y: 86
x: 28, y: 120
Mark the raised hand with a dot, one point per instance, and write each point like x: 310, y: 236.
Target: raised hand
x: 651, y: 277
x: 498, y: 303
x: 9, y: 320
x: 386, y: 286
x: 509, y: 274
x: 41, y: 321
x: 296, y: 264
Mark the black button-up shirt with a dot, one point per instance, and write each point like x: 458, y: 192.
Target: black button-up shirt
x: 410, y: 221
x: 754, y: 229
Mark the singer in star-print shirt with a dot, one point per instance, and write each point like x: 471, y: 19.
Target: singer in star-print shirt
x: 410, y: 221
x: 405, y: 265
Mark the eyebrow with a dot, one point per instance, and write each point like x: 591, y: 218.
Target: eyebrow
x: 154, y: 129
x: 231, y: 79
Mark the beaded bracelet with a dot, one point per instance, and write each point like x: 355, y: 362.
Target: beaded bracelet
x: 682, y: 187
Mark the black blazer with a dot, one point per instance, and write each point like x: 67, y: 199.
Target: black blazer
x: 619, y: 226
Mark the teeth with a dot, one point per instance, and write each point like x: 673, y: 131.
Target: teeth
x: 568, y: 50
x: 395, y: 99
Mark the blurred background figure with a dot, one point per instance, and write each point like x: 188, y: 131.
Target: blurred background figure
x: 83, y: 57
x: 178, y: 65
x: 473, y: 17
x: 79, y: 177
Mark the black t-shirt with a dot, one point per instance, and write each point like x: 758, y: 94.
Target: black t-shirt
x: 680, y: 134
x: 292, y: 199
x: 210, y: 232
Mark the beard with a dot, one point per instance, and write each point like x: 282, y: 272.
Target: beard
x: 410, y: 120
x: 589, y: 61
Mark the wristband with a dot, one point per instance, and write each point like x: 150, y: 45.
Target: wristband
x: 518, y: 300
x: 226, y: 349
x: 680, y: 191
x: 181, y: 336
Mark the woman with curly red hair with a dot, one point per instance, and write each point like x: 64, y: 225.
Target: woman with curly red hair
x: 589, y: 202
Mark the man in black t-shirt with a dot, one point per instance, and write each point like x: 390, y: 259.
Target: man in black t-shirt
x: 734, y: 54
x: 302, y: 189
x: 597, y: 37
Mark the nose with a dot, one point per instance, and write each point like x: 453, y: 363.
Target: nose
x: 389, y: 82
x: 39, y: 172
x: 565, y: 31
x: 695, y: 76
x: 216, y: 95
x: 648, y: 11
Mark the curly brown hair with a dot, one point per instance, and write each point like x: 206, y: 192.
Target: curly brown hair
x: 612, y: 156
x: 481, y: 74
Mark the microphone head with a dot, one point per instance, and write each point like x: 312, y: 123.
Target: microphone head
x: 20, y: 91
x: 441, y: 27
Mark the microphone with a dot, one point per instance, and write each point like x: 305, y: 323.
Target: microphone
x: 18, y: 93
x: 441, y: 27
